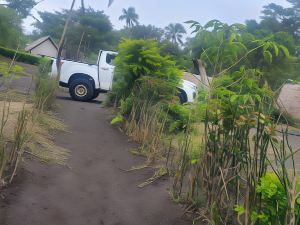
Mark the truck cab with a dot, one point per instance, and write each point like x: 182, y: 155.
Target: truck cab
x: 86, y: 81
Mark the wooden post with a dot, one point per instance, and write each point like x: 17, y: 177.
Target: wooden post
x: 62, y: 41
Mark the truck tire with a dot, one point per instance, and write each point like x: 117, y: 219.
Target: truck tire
x: 182, y: 96
x: 81, y: 90
x: 96, y: 94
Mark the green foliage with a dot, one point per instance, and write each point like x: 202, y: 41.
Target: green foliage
x: 88, y: 32
x: 274, y: 203
x: 117, y: 120
x: 180, y: 117
x: 5, y: 69
x: 22, y: 7
x: 9, y: 72
x: 286, y: 18
x: 273, y: 197
x: 174, y: 33
x: 142, y: 32
x: 140, y: 66
x: 10, y: 27
x: 145, y: 78
x: 45, y: 87
x: 167, y: 47
x: 20, y: 56
x: 180, y: 56
x: 226, y: 48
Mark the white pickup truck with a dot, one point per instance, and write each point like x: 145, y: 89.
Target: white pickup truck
x: 86, y: 81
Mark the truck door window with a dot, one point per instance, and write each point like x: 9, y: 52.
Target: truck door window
x: 110, y: 59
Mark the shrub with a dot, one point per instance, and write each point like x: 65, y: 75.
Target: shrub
x: 140, y: 66
x: 143, y: 75
x: 274, y: 201
x: 20, y: 56
x: 180, y: 117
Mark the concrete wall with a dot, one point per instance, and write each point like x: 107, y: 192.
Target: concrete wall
x: 45, y: 49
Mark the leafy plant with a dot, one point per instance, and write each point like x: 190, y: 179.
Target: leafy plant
x: 138, y: 64
x: 225, y: 48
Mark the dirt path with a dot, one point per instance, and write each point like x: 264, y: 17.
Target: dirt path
x: 94, y: 190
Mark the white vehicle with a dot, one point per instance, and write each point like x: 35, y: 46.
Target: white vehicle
x: 86, y: 81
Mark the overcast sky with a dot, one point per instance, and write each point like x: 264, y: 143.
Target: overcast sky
x: 162, y: 12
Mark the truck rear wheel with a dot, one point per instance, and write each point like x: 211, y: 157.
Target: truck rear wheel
x: 96, y: 94
x: 81, y: 90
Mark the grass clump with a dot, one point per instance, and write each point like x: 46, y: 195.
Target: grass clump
x: 26, y: 125
x: 45, y: 87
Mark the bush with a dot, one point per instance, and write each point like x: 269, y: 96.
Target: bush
x: 180, y: 117
x: 274, y: 201
x: 140, y: 66
x: 145, y: 78
x: 20, y: 56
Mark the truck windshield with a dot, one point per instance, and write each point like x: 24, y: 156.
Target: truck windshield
x: 110, y: 59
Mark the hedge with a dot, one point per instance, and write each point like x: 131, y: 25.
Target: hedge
x: 20, y: 56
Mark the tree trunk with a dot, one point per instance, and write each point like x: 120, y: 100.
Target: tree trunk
x: 82, y: 6
x: 202, y: 72
x: 79, y: 46
x: 62, y: 41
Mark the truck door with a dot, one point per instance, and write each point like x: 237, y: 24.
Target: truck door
x: 106, y: 70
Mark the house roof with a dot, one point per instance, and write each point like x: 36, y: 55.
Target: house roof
x: 39, y: 42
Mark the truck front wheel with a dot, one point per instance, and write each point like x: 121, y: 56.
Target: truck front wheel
x: 81, y: 90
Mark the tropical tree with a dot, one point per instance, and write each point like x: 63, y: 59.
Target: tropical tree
x: 224, y: 48
x: 288, y: 17
x: 130, y: 16
x: 87, y: 31
x: 10, y: 28
x: 22, y: 7
x: 143, y: 32
x: 62, y: 39
x: 175, y: 32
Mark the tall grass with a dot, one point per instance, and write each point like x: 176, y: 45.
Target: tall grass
x: 3, y: 155
x: 226, y: 179
x: 239, y: 148
x: 45, y: 87
x: 21, y: 136
x: 145, y: 125
x: 26, y: 126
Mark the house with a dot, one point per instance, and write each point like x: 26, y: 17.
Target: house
x: 44, y: 46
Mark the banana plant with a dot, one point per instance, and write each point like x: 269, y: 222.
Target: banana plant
x: 224, y: 47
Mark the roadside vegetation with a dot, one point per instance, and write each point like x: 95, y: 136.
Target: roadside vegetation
x: 26, y: 122
x: 228, y: 154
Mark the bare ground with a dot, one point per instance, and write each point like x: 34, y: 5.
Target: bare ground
x: 93, y: 189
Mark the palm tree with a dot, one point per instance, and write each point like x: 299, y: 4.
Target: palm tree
x: 174, y: 33
x: 130, y: 16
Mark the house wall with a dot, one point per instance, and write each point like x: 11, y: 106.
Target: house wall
x: 45, y: 49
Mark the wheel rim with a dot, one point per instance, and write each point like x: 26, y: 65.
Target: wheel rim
x: 80, y: 90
